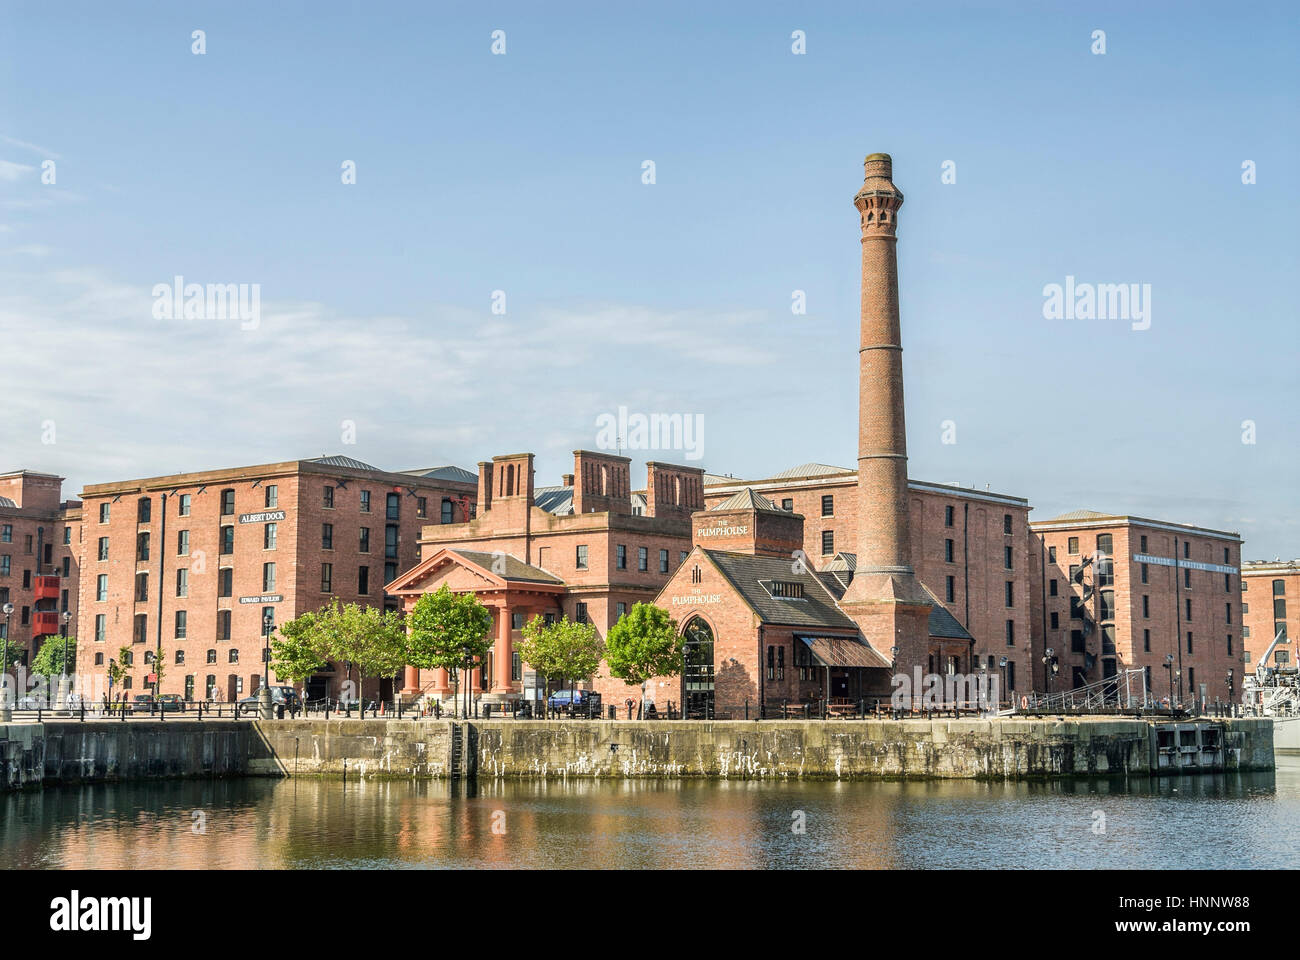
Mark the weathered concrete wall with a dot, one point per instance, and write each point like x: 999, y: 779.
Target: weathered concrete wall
x: 996, y: 749
x: 58, y: 752
x: 71, y: 752
x: 360, y: 748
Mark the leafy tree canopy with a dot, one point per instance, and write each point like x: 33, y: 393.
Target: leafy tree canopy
x: 561, y: 649
x: 445, y: 628
x: 644, y: 644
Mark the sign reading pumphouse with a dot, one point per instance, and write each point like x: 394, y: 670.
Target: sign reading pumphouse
x: 268, y: 516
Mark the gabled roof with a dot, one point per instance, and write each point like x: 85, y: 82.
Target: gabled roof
x: 838, y: 574
x: 514, y: 569
x: 747, y: 499
x: 1080, y: 515
x: 500, y: 569
x: 746, y: 574
x: 340, y: 461
x: 446, y: 472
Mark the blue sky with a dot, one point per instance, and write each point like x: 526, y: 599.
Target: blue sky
x: 523, y: 173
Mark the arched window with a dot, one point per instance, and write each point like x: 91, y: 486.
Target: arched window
x: 697, y: 670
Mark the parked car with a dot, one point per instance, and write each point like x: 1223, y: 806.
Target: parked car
x: 171, y: 702
x: 575, y: 702
x: 280, y: 696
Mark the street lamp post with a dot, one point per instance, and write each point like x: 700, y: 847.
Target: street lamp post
x: 264, y: 706
x: 1002, y: 678
x: 112, y: 668
x: 1169, y: 665
x: 66, y: 618
x: 6, y: 712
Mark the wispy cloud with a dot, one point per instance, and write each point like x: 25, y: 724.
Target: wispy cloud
x: 13, y: 172
x: 24, y: 145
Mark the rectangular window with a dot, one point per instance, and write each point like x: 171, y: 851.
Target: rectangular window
x: 516, y: 667
x: 1076, y: 641
x: 948, y: 550
x: 1229, y: 644
x: 620, y: 553
x: 327, y: 536
x: 143, y: 509
x: 390, y: 541
x: 828, y: 542
x: 621, y: 610
x: 1187, y: 607
x: 642, y: 559
x: 787, y: 504
x: 1145, y: 574
x: 1051, y: 587
x: 141, y: 627
x: 183, y: 505
x: 142, y: 547
x: 1056, y: 620
x: 1006, y: 523
x: 828, y: 506
x: 1051, y: 554
x: 1143, y: 547
x: 1227, y: 583
x: 1279, y: 609
x: 393, y: 506
x: 182, y: 543
x: 67, y: 535
x: 326, y: 577
x: 580, y: 612
x: 1189, y: 641
x: 182, y: 582
x: 365, y: 501
x: 663, y: 561
x: 390, y: 572
x: 1187, y: 578
x: 446, y: 515
x: 103, y: 512
x: 181, y: 618
x: 1006, y: 558
x: 422, y: 507
x: 1146, y: 606
x: 223, y: 624
x: 227, y: 540
x: 270, y: 532
x: 327, y: 498
x: 1187, y: 550
x: 364, y: 546
x: 363, y: 580
x: 581, y: 560
x: 101, y: 587
x: 1072, y: 545
x: 272, y: 495
x: 141, y: 587
x: 225, y: 582
x: 227, y: 503
x: 1108, y: 604
x: 101, y: 626
x: 516, y: 621
x: 1011, y: 633
x: 1227, y: 613
x: 1010, y: 593
x: 950, y: 591
x: 268, y: 577
x: 7, y: 533
x: 949, y: 516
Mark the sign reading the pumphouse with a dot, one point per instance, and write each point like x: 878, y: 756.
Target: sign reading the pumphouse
x: 267, y: 517
x: 723, y: 529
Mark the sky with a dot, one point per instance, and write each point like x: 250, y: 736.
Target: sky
x: 501, y: 274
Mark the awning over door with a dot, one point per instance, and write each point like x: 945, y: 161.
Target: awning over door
x: 843, y: 652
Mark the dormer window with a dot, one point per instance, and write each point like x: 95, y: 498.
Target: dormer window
x: 788, y: 589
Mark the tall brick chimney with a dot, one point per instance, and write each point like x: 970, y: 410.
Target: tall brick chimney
x: 885, y: 599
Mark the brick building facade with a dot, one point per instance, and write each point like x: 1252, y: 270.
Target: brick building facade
x: 193, y: 562
x: 1115, y: 593
x: 39, y: 559
x: 1270, y: 603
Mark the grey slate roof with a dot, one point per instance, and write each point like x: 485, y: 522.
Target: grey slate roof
x: 556, y: 500
x: 747, y: 499
x: 816, y: 609
x: 446, y: 472
x: 340, y: 461
x: 809, y: 470
x: 515, y: 569
x: 839, y: 574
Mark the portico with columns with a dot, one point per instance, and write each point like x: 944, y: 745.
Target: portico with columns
x: 512, y: 590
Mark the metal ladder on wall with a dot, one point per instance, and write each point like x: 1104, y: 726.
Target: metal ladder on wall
x: 457, y: 750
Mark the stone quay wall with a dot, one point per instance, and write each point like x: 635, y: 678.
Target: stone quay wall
x: 68, y: 752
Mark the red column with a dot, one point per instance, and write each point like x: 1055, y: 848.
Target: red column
x: 412, y: 681
x: 504, y: 684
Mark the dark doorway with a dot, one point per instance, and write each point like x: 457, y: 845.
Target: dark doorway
x: 697, y: 674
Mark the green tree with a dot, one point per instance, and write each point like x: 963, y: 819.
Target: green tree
x: 368, y: 638
x: 448, y: 630
x: 644, y: 644
x: 565, y: 649
x: 299, y: 650
x: 14, y: 656
x: 48, y: 661
x: 117, y: 670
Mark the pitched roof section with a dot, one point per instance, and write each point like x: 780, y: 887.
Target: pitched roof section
x: 816, y: 608
x: 446, y: 472
x: 506, y: 566
x: 1081, y: 515
x: 556, y: 500
x: 747, y: 499
x: 6, y: 502
x: 942, y: 622
x: 339, y: 461
x: 809, y: 470
x: 844, y: 652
